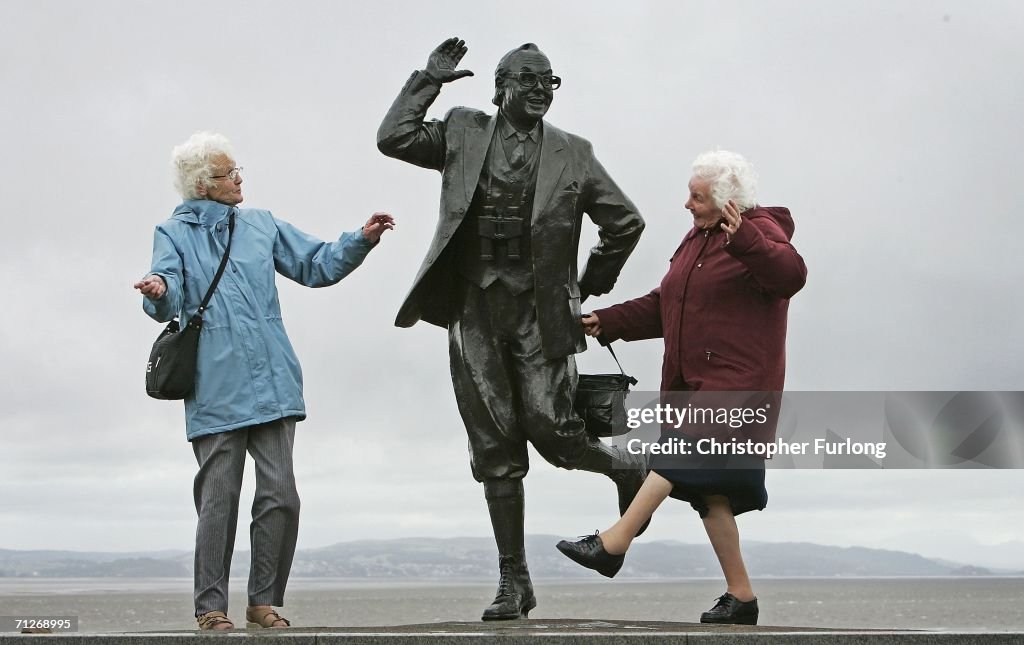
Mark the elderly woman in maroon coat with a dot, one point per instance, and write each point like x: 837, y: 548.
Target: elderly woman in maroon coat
x: 721, y: 309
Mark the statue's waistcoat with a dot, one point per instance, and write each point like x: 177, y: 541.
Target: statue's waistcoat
x: 493, y: 242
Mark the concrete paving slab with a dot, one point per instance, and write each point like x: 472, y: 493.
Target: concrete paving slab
x: 549, y: 632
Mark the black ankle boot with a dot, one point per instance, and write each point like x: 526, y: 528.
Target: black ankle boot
x: 515, y: 596
x: 626, y: 470
x: 506, y: 505
x: 728, y: 610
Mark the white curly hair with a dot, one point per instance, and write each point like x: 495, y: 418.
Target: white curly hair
x: 192, y: 162
x: 731, y: 176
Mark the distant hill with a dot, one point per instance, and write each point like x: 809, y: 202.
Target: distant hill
x: 84, y: 564
x: 476, y: 558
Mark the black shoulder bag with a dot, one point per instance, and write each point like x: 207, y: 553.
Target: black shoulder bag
x: 601, y: 401
x: 171, y: 370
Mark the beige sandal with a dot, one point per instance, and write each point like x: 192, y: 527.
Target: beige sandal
x: 214, y: 621
x: 264, y: 617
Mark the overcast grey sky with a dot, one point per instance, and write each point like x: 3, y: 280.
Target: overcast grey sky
x: 891, y: 129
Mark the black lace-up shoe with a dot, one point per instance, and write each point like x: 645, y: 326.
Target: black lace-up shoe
x: 728, y: 610
x: 515, y: 596
x: 590, y: 553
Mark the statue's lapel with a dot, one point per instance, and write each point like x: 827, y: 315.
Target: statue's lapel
x: 552, y: 163
x: 476, y: 139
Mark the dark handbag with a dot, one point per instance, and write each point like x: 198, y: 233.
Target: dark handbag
x: 601, y: 401
x: 171, y: 370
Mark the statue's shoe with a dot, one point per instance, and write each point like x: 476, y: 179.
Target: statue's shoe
x: 515, y: 596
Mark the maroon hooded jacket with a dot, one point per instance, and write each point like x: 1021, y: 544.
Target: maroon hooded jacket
x: 721, y: 308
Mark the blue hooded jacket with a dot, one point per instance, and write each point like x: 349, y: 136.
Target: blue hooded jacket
x: 247, y: 372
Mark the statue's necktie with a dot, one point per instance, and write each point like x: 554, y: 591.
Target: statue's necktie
x: 519, y: 151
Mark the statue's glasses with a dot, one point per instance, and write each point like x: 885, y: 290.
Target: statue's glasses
x: 530, y: 79
x: 232, y: 174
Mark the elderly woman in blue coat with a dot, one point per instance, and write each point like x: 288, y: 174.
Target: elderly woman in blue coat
x: 248, y: 387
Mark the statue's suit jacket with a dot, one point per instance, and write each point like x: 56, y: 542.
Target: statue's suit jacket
x: 570, y: 182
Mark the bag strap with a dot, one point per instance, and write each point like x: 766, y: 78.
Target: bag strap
x: 632, y: 380
x: 220, y: 269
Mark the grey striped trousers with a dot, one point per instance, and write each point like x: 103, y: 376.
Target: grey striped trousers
x: 275, y: 512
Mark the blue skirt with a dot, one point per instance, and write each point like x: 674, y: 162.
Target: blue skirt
x: 737, y: 477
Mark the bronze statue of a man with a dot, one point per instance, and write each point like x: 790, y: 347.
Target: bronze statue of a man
x: 501, y: 276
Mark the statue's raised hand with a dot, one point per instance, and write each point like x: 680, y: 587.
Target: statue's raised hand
x: 443, y: 61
